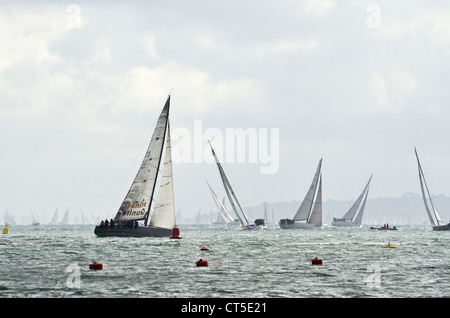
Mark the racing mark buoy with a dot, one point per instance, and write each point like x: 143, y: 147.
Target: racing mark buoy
x: 202, y: 263
x: 5, y: 229
x: 204, y: 249
x: 316, y: 261
x: 95, y: 266
x: 175, y: 233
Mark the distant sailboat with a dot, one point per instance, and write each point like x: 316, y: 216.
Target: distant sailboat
x: 349, y: 218
x: 309, y: 214
x: 245, y: 222
x: 225, y: 217
x: 262, y: 222
x: 54, y: 219
x: 144, y: 202
x: 65, y: 219
x: 9, y: 219
x: 439, y: 224
x: 34, y: 222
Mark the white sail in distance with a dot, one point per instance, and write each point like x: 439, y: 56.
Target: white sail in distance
x: 354, y: 208
x: 304, y: 210
x: 423, y: 187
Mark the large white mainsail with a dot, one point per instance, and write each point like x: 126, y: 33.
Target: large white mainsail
x: 439, y: 224
x: 349, y: 218
x: 309, y: 214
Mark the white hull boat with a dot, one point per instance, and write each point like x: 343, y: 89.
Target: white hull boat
x: 298, y: 225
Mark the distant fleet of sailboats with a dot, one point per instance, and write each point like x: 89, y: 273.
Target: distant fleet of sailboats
x: 68, y: 218
x: 150, y: 198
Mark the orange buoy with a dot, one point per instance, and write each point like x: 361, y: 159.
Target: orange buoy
x: 175, y: 233
x: 202, y: 263
x: 316, y: 261
x: 95, y: 266
x: 204, y: 249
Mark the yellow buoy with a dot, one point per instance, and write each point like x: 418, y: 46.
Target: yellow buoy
x: 5, y: 229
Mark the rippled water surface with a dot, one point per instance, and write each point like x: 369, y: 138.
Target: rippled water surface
x: 53, y: 261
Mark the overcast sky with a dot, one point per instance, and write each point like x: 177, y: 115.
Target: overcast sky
x: 357, y: 83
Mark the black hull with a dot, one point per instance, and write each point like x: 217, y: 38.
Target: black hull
x: 260, y: 222
x: 442, y: 227
x: 381, y: 229
x: 140, y: 231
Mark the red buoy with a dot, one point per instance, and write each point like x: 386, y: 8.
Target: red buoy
x: 316, y: 261
x: 175, y: 233
x: 95, y: 266
x: 201, y: 263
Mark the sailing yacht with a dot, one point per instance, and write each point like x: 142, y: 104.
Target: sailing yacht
x: 34, y: 222
x: 245, y: 222
x: 309, y: 214
x: 349, y: 218
x: 145, y: 201
x: 65, y: 219
x: 54, y: 218
x: 439, y: 224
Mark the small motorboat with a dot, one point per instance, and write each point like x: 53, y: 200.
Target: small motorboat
x: 385, y: 227
x: 389, y: 246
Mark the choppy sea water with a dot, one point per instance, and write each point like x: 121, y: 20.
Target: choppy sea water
x: 53, y: 262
